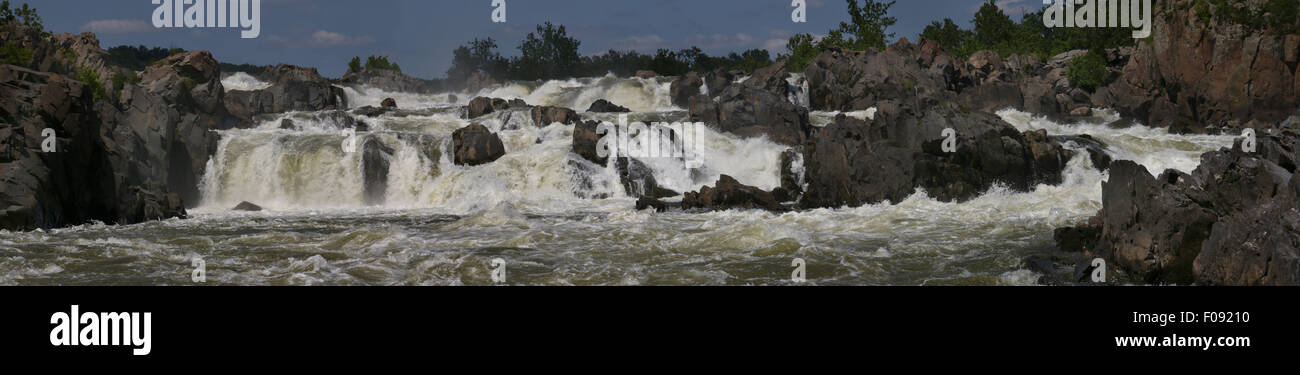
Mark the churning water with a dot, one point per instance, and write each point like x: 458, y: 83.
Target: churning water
x: 554, y: 217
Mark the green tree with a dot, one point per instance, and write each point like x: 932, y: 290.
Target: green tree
x: 354, y: 66
x: 993, y: 27
x: 1087, y: 71
x: 548, y: 53
x: 479, y: 55
x: 951, y: 37
x: 801, y: 49
x: 867, y: 28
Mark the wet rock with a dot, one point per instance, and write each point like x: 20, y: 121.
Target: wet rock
x: 728, y: 194
x: 388, y: 103
x: 586, y: 140
x: 375, y: 160
x: 1097, y: 151
x: 1291, y: 48
x: 604, y: 106
x: 293, y: 88
x: 547, y: 115
x: 751, y: 112
x: 1081, y: 112
x: 639, y: 180
x: 247, y: 207
x: 685, y: 87
x: 480, y: 106
x: 854, y: 162
x: 390, y: 80
x: 645, y: 74
x: 476, y: 145
x: 644, y: 203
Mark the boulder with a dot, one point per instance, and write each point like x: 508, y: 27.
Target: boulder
x: 771, y: 78
x: 247, y: 207
x: 604, y: 106
x: 476, y: 145
x: 586, y: 140
x: 375, y: 160
x: 729, y: 194
x: 842, y: 80
x: 388, y: 103
x: 685, y: 87
x: 480, y: 106
x: 546, y: 115
x: 646, y: 74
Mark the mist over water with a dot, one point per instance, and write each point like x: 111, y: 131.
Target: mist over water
x: 556, y: 218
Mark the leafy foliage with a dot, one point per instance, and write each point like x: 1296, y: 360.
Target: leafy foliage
x: 1087, y: 71
x: 994, y: 30
x: 139, y: 57
x: 381, y: 63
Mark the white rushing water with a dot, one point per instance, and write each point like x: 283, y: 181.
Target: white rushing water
x: 558, y: 219
x: 240, y: 81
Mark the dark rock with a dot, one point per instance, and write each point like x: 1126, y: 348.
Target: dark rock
x: 855, y: 162
x: 840, y: 80
x: 730, y: 194
x: 791, y: 176
x: 546, y: 115
x: 292, y: 88
x: 482, y: 105
x: 1097, y: 151
x: 771, y: 78
x: 639, y: 180
x: 476, y: 145
x: 288, y: 124
x: 586, y: 140
x: 685, y: 87
x: 248, y: 207
x: 751, y: 112
x: 643, y: 203
x: 390, y: 80
x: 646, y: 74
x: 388, y: 103
x: 375, y: 160
x: 604, y: 106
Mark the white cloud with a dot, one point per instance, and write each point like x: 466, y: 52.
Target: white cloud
x: 640, y: 43
x: 322, y: 38
x: 117, y: 26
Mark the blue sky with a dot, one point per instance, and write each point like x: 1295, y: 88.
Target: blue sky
x: 421, y: 34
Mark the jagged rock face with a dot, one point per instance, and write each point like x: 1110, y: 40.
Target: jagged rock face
x: 771, y: 78
x: 476, y: 145
x: 172, y: 115
x: 392, y: 81
x: 841, y: 80
x: 81, y: 180
x: 685, y: 87
x: 1197, y: 72
x: 854, y: 162
x: 292, y: 88
x: 1231, y: 221
x: 751, y: 112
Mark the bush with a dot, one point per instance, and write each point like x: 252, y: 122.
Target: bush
x: 381, y: 63
x: 1087, y: 71
x: 90, y: 77
x: 13, y: 54
x: 354, y: 65
x: 121, y: 80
